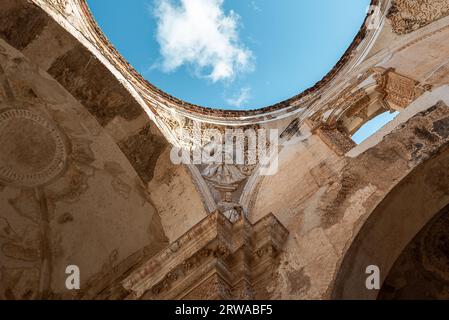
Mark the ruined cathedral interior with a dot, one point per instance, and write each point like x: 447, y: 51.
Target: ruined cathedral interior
x: 87, y: 177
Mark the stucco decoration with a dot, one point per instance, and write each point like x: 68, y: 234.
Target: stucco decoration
x: 216, y: 259
x: 142, y: 226
x: 33, y: 149
x: 409, y: 15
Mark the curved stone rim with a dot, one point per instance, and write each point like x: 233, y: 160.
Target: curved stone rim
x: 286, y: 105
x: 431, y: 238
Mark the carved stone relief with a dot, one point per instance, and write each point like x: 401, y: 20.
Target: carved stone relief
x: 33, y: 149
x: 223, y: 179
x: 59, y: 5
x: 390, y: 90
x: 352, y: 99
x: 56, y: 163
x: 399, y: 91
x: 229, y: 261
x: 409, y: 15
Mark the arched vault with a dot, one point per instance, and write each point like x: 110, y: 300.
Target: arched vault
x: 86, y: 176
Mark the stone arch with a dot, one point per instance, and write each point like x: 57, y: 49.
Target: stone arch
x: 329, y: 194
x: 86, y: 63
x: 422, y: 268
x: 378, y: 77
x: 104, y: 173
x: 65, y: 55
x: 421, y: 271
x: 338, y: 195
x: 392, y: 225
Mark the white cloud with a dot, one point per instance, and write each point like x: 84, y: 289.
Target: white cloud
x: 240, y: 99
x: 199, y: 33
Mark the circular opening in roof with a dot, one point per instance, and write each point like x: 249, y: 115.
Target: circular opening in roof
x: 231, y: 54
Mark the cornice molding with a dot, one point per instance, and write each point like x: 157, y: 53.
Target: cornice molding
x: 232, y: 260
x: 77, y: 13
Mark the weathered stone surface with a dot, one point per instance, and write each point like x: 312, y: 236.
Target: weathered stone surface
x: 68, y: 193
x: 421, y: 272
x: 21, y: 22
x: 88, y: 80
x: 86, y: 176
x: 143, y: 150
x: 34, y: 151
x: 215, y: 260
x: 410, y: 15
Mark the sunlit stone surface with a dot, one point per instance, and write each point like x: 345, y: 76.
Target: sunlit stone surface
x: 87, y: 177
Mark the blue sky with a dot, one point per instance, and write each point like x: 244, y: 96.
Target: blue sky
x: 372, y: 126
x: 231, y: 54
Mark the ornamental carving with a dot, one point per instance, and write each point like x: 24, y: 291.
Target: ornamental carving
x: 351, y: 99
x: 409, y: 15
x: 226, y: 260
x: 338, y: 140
x: 33, y: 149
x: 348, y: 111
x: 399, y: 91
x: 223, y: 173
x: 59, y: 5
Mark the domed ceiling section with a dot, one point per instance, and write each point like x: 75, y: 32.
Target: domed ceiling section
x: 231, y: 54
